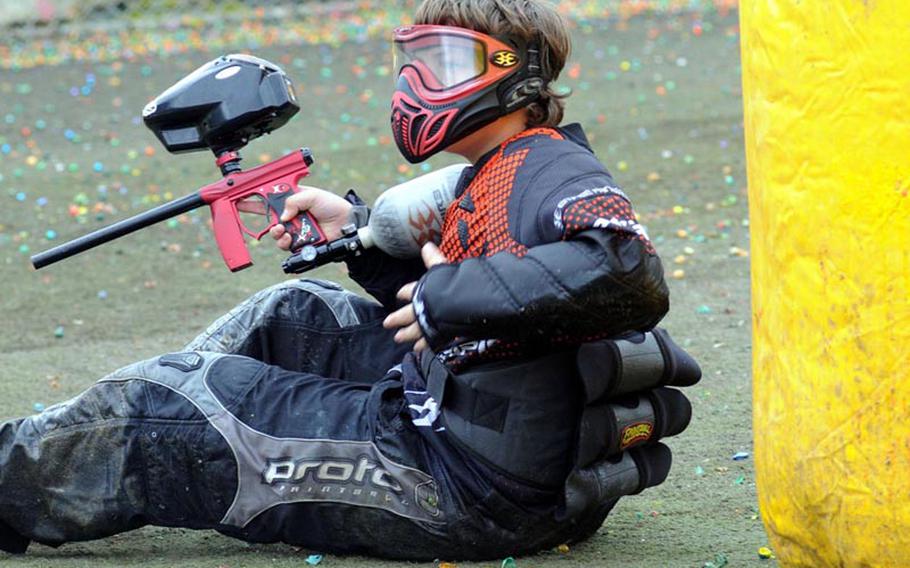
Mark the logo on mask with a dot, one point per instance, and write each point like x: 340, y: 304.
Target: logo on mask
x: 504, y: 59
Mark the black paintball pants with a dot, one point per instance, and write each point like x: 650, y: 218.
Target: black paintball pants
x: 245, y: 433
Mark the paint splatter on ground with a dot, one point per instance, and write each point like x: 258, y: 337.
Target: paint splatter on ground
x: 658, y: 92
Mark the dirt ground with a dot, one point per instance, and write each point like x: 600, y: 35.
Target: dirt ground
x: 660, y: 98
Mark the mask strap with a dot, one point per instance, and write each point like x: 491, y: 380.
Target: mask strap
x: 527, y: 85
x: 534, y: 63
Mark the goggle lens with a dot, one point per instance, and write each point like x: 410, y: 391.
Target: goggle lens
x: 443, y: 61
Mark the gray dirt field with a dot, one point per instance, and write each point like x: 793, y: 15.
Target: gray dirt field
x: 669, y: 128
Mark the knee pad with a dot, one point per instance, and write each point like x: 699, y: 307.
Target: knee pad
x: 316, y: 304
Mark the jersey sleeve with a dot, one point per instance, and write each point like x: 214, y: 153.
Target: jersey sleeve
x: 590, y: 270
x: 596, y: 284
x: 588, y: 202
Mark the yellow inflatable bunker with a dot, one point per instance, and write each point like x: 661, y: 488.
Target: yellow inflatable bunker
x: 827, y: 108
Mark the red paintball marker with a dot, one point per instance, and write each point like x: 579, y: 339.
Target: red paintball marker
x: 222, y: 106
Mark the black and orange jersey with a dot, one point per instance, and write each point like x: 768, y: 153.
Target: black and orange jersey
x: 499, y: 207
x: 544, y: 251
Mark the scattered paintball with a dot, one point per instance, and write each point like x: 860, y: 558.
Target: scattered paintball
x: 720, y: 560
x: 77, y: 156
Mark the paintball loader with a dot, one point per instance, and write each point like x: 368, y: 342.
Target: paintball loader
x: 222, y: 106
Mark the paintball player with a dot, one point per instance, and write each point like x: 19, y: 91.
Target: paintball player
x: 456, y: 418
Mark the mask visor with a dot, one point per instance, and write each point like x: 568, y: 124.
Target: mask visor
x: 442, y: 60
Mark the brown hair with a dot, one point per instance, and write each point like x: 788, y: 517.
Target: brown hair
x: 525, y: 20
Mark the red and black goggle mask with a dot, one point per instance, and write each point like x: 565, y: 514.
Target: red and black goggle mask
x: 452, y: 81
